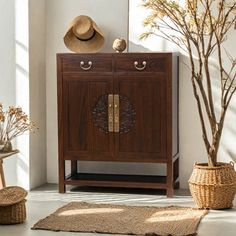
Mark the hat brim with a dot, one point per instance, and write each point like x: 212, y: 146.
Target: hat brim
x: 92, y: 45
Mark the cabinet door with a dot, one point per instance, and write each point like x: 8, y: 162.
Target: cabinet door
x: 85, y: 111
x: 142, y: 117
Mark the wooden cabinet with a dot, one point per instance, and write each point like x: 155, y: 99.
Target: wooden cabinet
x: 118, y: 108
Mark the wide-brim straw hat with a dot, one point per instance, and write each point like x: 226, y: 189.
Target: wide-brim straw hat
x: 84, y: 35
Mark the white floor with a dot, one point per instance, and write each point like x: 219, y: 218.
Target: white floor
x: 43, y: 201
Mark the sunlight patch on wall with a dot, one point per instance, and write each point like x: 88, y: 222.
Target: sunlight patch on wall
x: 137, y: 14
x: 22, y: 85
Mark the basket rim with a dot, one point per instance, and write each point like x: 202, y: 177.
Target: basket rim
x: 214, y: 185
x: 12, y: 191
x: 220, y: 165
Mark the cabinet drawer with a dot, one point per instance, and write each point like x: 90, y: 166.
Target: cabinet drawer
x: 86, y: 63
x: 141, y: 63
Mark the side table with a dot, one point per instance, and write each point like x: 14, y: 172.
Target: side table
x: 3, y: 155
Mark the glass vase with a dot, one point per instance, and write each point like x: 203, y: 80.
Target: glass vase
x: 7, y: 146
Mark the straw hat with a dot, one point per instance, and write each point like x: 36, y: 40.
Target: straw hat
x: 83, y: 35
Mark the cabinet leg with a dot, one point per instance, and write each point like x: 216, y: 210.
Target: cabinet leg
x: 73, y: 167
x: 62, y: 187
x: 170, y: 179
x: 170, y: 192
x: 2, y: 178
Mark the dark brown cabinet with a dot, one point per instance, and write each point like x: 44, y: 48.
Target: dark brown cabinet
x: 119, y: 108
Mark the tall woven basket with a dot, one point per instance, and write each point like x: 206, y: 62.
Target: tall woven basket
x: 12, y: 205
x: 213, y: 187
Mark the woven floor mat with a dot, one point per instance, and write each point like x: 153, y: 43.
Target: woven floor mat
x: 123, y: 219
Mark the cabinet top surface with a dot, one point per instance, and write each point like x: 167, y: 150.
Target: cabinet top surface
x: 120, y: 54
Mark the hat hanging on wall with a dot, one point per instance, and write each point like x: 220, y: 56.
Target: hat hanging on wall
x: 84, y: 35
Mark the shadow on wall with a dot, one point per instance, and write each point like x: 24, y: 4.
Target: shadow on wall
x: 109, y: 38
x: 191, y: 146
x: 227, y: 151
x: 137, y: 47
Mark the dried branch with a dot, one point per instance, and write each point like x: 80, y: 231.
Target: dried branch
x: 13, y: 123
x: 201, y: 27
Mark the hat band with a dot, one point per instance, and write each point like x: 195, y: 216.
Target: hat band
x: 94, y: 32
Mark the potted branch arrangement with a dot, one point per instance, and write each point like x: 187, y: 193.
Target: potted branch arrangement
x: 200, y: 28
x: 13, y: 123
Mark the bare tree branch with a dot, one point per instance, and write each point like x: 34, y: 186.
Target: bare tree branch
x: 200, y: 27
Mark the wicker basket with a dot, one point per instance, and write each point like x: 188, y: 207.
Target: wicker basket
x: 12, y: 205
x: 13, y: 214
x: 213, y: 187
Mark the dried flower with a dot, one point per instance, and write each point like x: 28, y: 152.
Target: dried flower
x: 13, y: 123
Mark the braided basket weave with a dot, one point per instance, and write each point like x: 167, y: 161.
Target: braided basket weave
x: 13, y: 214
x: 12, y: 205
x: 213, y: 187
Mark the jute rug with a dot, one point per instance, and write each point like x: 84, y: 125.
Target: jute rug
x: 122, y: 219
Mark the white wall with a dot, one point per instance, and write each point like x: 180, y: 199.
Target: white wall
x: 112, y: 17
x: 22, y: 86
x: 7, y: 71
x: 37, y: 93
x: 191, y: 144
x: 22, y: 83
x: 48, y: 22
x: 114, y: 23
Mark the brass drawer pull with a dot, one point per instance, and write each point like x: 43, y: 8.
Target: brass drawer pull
x: 110, y: 113
x: 116, y: 113
x: 140, y: 68
x: 86, y: 68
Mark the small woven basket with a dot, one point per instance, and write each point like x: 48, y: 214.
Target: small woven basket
x: 13, y: 214
x: 213, y: 187
x: 12, y: 205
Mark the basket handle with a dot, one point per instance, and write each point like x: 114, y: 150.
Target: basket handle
x: 232, y: 163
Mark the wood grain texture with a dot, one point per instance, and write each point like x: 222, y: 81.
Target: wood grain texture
x: 149, y: 131
x: 128, y: 181
x: 82, y: 136
x: 147, y: 138
x: 154, y: 62
x: 61, y: 122
x: 100, y: 62
x: 169, y: 131
x: 2, y: 177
